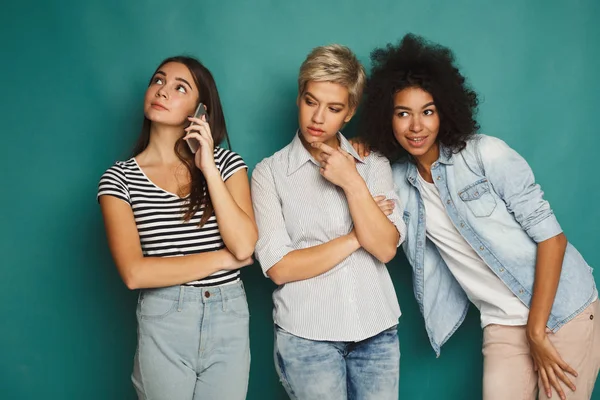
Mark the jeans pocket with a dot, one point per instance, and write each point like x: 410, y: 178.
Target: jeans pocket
x: 154, y: 307
x: 238, y: 306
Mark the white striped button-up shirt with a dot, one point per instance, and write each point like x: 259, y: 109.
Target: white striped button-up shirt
x: 297, y: 208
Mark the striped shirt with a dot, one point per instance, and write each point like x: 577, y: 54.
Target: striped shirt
x: 159, y: 214
x: 296, y: 208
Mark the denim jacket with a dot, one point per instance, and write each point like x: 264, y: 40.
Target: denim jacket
x: 495, y: 204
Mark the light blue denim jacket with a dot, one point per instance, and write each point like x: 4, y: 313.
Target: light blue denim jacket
x: 499, y: 210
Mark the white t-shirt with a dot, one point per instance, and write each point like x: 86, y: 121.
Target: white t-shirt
x: 496, y: 303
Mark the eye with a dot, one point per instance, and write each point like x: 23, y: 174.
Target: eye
x: 181, y: 88
x: 309, y: 102
x: 402, y: 114
x: 428, y: 112
x: 157, y: 80
x: 334, y: 110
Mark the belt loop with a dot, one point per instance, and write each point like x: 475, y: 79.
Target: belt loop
x: 181, y: 293
x: 223, y: 299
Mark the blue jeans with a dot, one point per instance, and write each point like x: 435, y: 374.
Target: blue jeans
x: 365, y: 370
x: 193, y: 343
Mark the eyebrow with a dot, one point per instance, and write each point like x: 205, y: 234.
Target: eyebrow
x: 431, y: 103
x: 330, y: 104
x: 177, y: 79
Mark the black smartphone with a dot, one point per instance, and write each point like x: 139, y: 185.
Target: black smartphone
x: 200, y: 111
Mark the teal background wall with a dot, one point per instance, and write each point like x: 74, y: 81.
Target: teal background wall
x: 72, y: 78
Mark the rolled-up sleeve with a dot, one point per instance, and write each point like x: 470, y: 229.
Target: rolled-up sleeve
x: 381, y: 182
x: 513, y: 180
x: 273, y: 239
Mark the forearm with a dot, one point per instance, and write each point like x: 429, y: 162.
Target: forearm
x: 550, y: 254
x: 313, y: 261
x: 151, y: 272
x: 236, y: 227
x: 375, y: 232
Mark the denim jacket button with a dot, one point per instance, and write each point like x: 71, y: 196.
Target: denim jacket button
x: 501, y: 269
x: 481, y: 248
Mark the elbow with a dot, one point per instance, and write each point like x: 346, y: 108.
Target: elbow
x: 385, y: 254
x: 243, y: 250
x: 131, y: 283
x: 274, y: 274
x: 131, y: 278
x: 242, y: 253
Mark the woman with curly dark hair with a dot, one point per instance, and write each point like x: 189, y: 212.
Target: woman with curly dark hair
x: 479, y: 230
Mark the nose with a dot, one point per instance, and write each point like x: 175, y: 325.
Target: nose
x: 415, y: 124
x: 161, y: 92
x: 318, y: 116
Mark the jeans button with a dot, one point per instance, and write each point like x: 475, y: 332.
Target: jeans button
x: 207, y: 294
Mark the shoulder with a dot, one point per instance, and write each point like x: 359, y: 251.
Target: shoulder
x: 377, y: 159
x: 278, y: 160
x: 487, y: 146
x: 119, y: 170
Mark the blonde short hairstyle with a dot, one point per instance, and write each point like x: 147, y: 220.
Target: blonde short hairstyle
x: 334, y: 63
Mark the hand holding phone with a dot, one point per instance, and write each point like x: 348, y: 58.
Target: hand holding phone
x: 193, y: 144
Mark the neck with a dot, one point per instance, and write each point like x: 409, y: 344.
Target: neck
x: 424, y: 162
x: 161, y: 147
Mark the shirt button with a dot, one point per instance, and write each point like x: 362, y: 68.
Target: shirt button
x: 207, y: 294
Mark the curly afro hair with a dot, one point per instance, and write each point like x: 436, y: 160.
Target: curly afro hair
x: 415, y: 62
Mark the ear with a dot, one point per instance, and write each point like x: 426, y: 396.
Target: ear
x: 350, y: 115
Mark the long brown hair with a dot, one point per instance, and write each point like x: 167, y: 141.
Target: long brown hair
x: 198, y: 197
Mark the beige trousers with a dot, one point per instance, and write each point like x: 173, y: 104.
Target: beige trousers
x: 508, y: 372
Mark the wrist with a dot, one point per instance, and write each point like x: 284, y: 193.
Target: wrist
x: 353, y: 240
x: 354, y: 185
x: 535, y: 332
x: 211, y: 172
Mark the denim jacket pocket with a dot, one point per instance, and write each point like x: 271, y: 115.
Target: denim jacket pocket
x: 479, y: 198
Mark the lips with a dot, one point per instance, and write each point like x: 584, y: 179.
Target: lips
x: 158, y: 106
x: 416, y: 141
x: 315, y: 131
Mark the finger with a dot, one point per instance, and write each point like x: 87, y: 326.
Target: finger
x: 323, y: 157
x: 563, y: 377
x: 206, y: 135
x: 379, y: 198
x: 566, y: 367
x: 193, y: 135
x: 555, y: 383
x: 323, y: 147
x: 545, y: 382
x: 197, y: 121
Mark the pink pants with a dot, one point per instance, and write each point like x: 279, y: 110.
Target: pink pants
x: 508, y: 372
